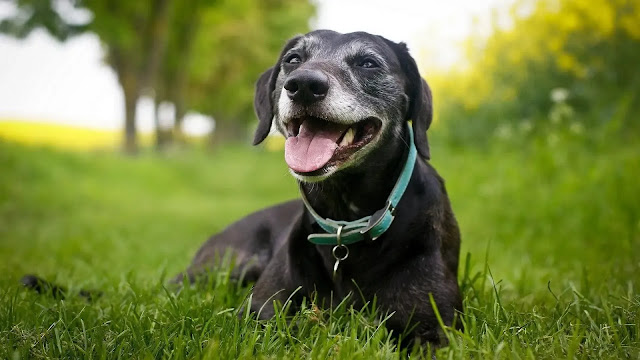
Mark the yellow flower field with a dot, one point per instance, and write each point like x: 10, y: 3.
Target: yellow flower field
x: 61, y: 136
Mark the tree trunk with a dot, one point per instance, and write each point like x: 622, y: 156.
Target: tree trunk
x: 130, y: 133
x: 158, y: 33
x: 177, y: 126
x: 129, y: 82
x: 160, y: 133
x: 179, y: 90
x: 229, y: 131
x: 178, y: 97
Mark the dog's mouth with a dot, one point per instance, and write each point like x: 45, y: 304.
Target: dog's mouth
x: 314, y: 144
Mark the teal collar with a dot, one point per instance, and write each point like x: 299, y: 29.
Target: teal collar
x: 369, y: 227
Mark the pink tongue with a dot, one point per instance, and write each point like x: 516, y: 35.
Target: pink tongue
x: 314, y: 145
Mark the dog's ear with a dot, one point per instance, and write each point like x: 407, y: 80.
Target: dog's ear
x: 420, y: 110
x: 421, y: 115
x: 262, y: 105
x: 263, y: 100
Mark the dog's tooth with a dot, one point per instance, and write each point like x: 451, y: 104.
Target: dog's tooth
x: 347, y: 139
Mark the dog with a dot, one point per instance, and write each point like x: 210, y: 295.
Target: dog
x: 374, y: 218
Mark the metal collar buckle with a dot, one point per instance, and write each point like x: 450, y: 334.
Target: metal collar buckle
x: 336, y: 256
x: 377, y: 218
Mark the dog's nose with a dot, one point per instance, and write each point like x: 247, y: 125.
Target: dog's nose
x: 307, y: 86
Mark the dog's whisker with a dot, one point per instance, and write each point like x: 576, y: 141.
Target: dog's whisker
x: 398, y: 134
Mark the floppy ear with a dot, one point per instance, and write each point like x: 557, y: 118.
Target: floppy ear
x: 421, y: 115
x: 420, y: 110
x: 262, y: 105
x: 263, y: 100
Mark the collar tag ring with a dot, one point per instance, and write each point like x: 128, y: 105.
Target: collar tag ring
x: 336, y: 255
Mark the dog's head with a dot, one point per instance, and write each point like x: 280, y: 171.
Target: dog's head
x: 338, y: 97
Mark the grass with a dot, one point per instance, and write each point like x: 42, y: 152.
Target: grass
x: 550, y: 259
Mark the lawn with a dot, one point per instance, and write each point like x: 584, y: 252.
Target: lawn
x: 550, y: 258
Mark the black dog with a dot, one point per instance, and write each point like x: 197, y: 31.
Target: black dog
x: 344, y: 102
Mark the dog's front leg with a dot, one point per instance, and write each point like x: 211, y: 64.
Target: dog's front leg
x: 276, y: 286
x: 294, y: 272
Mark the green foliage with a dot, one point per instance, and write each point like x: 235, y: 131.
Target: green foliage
x: 215, y: 52
x: 237, y: 42
x: 551, y: 221
x: 586, y: 48
x: 123, y: 27
x: 41, y: 13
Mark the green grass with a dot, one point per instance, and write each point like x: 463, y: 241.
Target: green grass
x: 550, y: 258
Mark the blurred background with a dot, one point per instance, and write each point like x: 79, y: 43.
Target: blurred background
x: 173, y: 69
x: 169, y: 68
x: 536, y: 129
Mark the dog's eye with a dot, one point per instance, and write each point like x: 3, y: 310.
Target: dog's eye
x: 293, y: 59
x: 367, y: 63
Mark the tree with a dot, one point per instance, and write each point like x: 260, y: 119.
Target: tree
x: 217, y: 50
x: 133, y: 32
x: 240, y: 40
x: 203, y: 55
x: 173, y: 79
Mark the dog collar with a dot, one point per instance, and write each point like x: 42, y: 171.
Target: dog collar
x: 369, y: 227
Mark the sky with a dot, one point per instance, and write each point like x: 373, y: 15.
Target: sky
x: 68, y: 83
